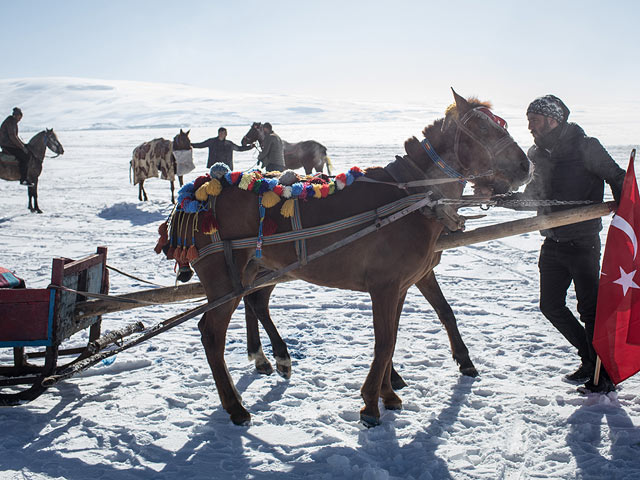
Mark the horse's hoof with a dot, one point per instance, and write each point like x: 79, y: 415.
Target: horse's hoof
x: 393, y: 406
x: 264, y: 368
x: 469, y: 371
x: 284, y: 370
x: 398, y: 383
x: 241, y: 419
x: 369, y: 421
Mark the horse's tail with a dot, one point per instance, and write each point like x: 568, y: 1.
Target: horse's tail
x: 329, y: 164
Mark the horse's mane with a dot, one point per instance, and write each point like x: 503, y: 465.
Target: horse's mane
x: 436, y: 129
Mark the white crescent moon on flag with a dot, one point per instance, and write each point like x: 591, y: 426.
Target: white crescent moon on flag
x: 623, y: 225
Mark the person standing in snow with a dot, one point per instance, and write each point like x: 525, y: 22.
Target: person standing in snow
x: 272, y: 155
x: 11, y: 144
x: 569, y: 166
x: 221, y: 149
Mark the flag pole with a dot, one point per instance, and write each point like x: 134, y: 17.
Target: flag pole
x: 596, y: 376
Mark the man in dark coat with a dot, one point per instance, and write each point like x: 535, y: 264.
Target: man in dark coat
x: 11, y: 144
x: 272, y: 155
x: 221, y: 149
x: 570, y: 166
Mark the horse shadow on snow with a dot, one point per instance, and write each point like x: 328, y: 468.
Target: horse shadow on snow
x: 135, y: 213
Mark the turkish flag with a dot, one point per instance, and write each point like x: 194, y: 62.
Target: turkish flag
x: 616, y: 337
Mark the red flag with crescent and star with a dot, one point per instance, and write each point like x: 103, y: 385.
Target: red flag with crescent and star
x: 616, y: 338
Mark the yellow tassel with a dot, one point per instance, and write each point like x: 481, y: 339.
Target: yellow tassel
x: 201, y: 193
x: 287, y: 208
x: 317, y: 191
x: 214, y: 187
x: 270, y: 199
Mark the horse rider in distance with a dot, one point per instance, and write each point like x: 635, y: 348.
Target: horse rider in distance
x: 12, y: 145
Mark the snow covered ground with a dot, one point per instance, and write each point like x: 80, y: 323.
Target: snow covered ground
x: 155, y: 413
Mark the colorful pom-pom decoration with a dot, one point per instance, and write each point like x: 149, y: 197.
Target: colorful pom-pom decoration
x: 214, y: 187
x: 201, y: 193
x: 270, y: 199
x: 219, y: 170
x: 288, y: 208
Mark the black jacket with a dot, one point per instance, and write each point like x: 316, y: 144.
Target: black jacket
x: 571, y: 166
x: 220, y: 150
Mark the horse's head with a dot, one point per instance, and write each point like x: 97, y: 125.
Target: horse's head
x: 476, y: 143
x: 52, y: 143
x: 484, y: 147
x: 254, y: 134
x: 181, y: 141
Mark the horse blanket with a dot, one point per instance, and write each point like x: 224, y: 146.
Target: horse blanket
x: 184, y: 161
x: 9, y: 168
x: 157, y: 157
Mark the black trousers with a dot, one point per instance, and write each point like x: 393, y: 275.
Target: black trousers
x: 561, y: 263
x: 23, y: 160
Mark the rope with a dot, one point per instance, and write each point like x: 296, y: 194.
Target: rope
x: 134, y: 277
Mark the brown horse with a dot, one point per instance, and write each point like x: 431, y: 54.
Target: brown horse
x: 161, y: 156
x: 37, y: 146
x: 384, y: 264
x: 308, y: 154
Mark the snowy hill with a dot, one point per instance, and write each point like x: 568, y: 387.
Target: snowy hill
x: 73, y: 103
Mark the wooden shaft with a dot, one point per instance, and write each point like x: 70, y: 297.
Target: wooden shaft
x: 596, y: 375
x: 186, y: 291
x: 531, y: 224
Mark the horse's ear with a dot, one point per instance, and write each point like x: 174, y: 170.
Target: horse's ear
x: 187, y: 132
x: 461, y: 104
x: 412, y: 147
x: 181, y: 132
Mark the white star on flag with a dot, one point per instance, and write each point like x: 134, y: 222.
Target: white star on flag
x: 626, y: 281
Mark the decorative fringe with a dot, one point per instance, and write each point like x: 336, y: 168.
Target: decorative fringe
x: 163, y: 230
x: 192, y: 253
x: 171, y: 253
x: 270, y: 199
x: 287, y: 208
x: 208, y: 223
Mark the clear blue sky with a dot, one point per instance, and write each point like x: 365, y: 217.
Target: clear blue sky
x: 402, y: 51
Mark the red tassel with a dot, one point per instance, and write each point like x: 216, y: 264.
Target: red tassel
x: 269, y: 226
x: 163, y: 230
x: 201, y: 180
x: 192, y: 253
x: 171, y: 253
x: 208, y: 223
x: 161, y: 243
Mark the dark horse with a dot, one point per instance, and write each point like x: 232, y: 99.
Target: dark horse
x: 385, y: 263
x: 37, y: 146
x: 309, y: 154
x: 159, y: 155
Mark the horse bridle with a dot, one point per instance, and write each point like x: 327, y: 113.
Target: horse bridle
x: 492, y: 149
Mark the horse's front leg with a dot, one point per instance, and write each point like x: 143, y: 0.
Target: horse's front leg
x: 213, y: 328
x: 142, y: 194
x: 33, y: 195
x: 390, y: 382
x: 173, y: 198
x: 384, y: 303
x: 254, y: 346
x: 180, y: 179
x: 430, y: 288
x: 258, y: 302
